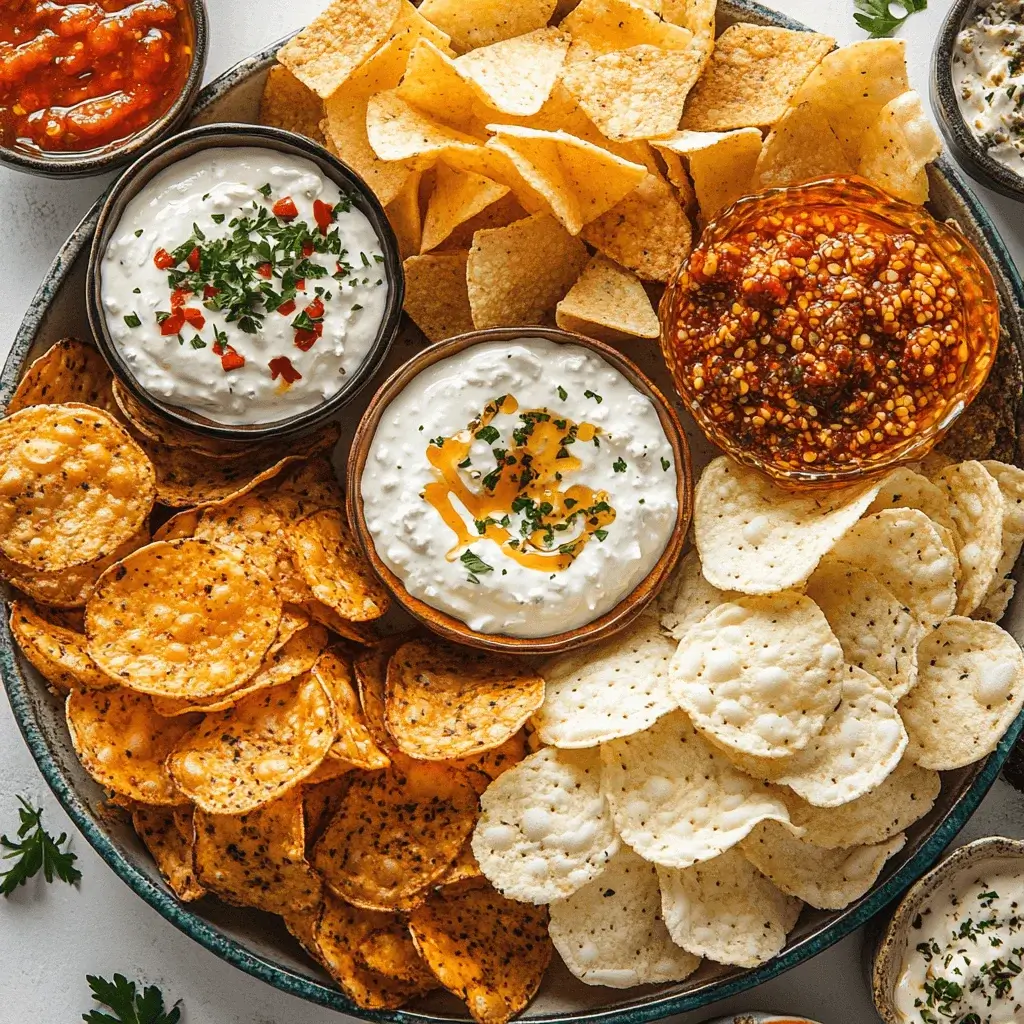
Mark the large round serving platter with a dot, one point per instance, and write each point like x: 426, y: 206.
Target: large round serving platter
x: 258, y: 943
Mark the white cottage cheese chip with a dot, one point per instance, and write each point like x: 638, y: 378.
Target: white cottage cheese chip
x: 757, y: 538
x: 826, y: 879
x: 970, y: 689
x: 906, y: 552
x: 993, y: 608
x: 904, y: 488
x: 976, y: 505
x: 727, y: 911
x: 675, y: 800
x: 611, y: 932
x: 1011, y: 485
x: 612, y: 689
x: 760, y: 674
x: 544, y: 828
x: 877, y: 632
x: 688, y: 597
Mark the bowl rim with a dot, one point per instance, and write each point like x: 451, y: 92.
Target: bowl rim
x: 631, y: 605
x: 108, y: 158
x: 20, y: 694
x: 221, y: 135
x: 969, y: 152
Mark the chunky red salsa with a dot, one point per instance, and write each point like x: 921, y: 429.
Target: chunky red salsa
x: 76, y: 77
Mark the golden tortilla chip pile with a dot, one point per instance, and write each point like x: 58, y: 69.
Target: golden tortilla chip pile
x: 541, y: 160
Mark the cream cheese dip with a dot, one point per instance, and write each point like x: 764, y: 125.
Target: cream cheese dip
x: 240, y: 283
x: 525, y: 488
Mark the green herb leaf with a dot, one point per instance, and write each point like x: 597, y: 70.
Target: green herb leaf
x: 594, y: 395
x: 487, y: 434
x: 138, y: 234
x: 197, y: 342
x: 600, y: 534
x: 619, y: 465
x: 217, y: 218
x: 35, y: 850
x: 123, y: 998
x: 474, y: 563
x: 877, y: 17
x: 133, y: 321
x: 562, y: 393
x: 665, y: 465
x: 265, y: 190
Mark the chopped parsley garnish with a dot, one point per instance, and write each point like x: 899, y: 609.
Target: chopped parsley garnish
x: 562, y: 393
x: 619, y: 465
x: 132, y: 320
x: 594, y: 395
x: 197, y: 342
x: 124, y: 1000
x: 33, y: 851
x: 883, y: 17
x: 466, y: 463
x: 600, y: 534
x: 474, y: 563
x: 217, y: 218
x: 438, y: 441
x: 138, y: 234
x: 487, y: 434
x: 265, y: 190
x: 665, y: 465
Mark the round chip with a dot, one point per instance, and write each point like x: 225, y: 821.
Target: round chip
x: 396, y: 832
x: 180, y: 525
x: 253, y: 753
x: 688, y: 597
x: 496, y: 761
x: 303, y: 488
x: 903, y: 488
x: 727, y: 911
x: 489, y: 951
x: 970, y: 689
x: 760, y: 674
x: 354, y: 743
x: 60, y: 655
x: 73, y: 486
x: 371, y: 669
x: 123, y: 743
x: 445, y: 701
x: 390, y: 951
x: 614, y: 688
x: 545, y: 829
x: 328, y: 558
x: 158, y: 828
x: 182, y: 618
x: 68, y: 372
x: 675, y: 800
x: 1011, y: 485
x: 611, y: 932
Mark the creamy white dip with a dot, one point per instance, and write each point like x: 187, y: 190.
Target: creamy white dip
x: 988, y: 74
x: 966, y: 951
x: 577, y: 567
x: 206, y: 199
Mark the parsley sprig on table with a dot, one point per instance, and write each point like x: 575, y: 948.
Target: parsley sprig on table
x: 122, y: 996
x: 877, y: 17
x: 35, y: 850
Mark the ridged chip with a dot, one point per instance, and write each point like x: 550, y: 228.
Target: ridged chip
x: 612, y: 933
x: 760, y: 674
x: 445, y: 701
x: 68, y: 372
x: 688, y: 597
x: 675, y: 800
x: 390, y: 951
x: 258, y: 859
x: 727, y: 911
x: 489, y: 951
x: 242, y: 758
x: 826, y: 879
x: 354, y: 743
x: 396, y: 832
x: 73, y: 486
x: 614, y: 688
x: 970, y: 689
x: 182, y: 618
x: 757, y: 538
x: 327, y: 556
x: 158, y: 828
x: 545, y: 829
x: 60, y: 655
x: 123, y: 743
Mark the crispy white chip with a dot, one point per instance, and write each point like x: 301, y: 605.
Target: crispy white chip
x: 726, y: 910
x: 615, y: 688
x: 675, y: 800
x: 896, y: 149
x: 1011, y: 485
x: 611, y: 932
x: 545, y: 829
x: 970, y: 689
x: 760, y: 674
x: 688, y: 597
x: 904, y: 488
x: 757, y: 538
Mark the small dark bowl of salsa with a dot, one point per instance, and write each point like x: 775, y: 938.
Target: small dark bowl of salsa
x: 87, y: 86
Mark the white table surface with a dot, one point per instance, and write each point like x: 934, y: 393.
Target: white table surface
x: 52, y: 936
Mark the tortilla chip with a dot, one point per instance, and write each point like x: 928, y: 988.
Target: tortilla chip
x: 390, y: 951
x: 68, y: 372
x: 60, y: 655
x: 457, y: 197
x: 436, y: 295
x: 405, y: 217
x: 354, y: 743
x: 434, y: 87
x: 290, y: 105
x: 158, y: 828
x: 752, y: 76
x: 517, y: 274
x: 696, y: 15
x: 608, y: 303
x: 801, y: 147
x: 399, y: 131
x: 602, y: 26
x: 473, y: 23
x: 897, y: 148
x: 489, y: 951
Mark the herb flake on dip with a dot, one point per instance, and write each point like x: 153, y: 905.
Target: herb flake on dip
x: 242, y: 284
x: 524, y: 488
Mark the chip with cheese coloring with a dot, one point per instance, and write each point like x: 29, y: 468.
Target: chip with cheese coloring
x: 168, y: 835
x: 60, y: 655
x: 354, y: 744
x: 68, y: 371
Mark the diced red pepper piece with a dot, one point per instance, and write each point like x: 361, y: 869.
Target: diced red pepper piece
x: 315, y: 309
x: 173, y: 324
x: 281, y: 366
x: 163, y: 260
x: 194, y: 317
x: 285, y: 209
x: 265, y: 270
x: 231, y: 360
x: 209, y: 291
x: 179, y: 297
x: 323, y: 214
x: 305, y: 340
x: 308, y: 249
x: 193, y: 259
x: 300, y: 284
x: 287, y: 308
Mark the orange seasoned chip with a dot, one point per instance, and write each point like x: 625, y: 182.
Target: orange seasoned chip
x: 465, y: 869
x: 258, y: 859
x: 437, y: 295
x: 73, y: 486
x: 242, y: 758
x: 60, y: 655
x: 390, y: 951
x: 304, y: 488
x: 69, y: 371
x: 180, y: 525
x: 293, y: 619
x: 321, y: 799
x: 371, y: 670
x: 328, y: 557
x: 364, y: 633
x: 183, y: 618
x: 396, y: 832
x: 354, y: 744
x: 160, y: 829
x: 492, y: 763
x: 488, y: 950
x: 445, y: 701
x: 123, y: 743
x: 289, y: 104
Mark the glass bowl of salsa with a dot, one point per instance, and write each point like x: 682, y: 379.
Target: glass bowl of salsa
x: 85, y: 87
x: 827, y: 332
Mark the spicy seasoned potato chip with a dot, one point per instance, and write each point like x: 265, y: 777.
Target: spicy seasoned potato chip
x: 68, y: 372
x: 355, y: 743
x: 60, y: 655
x: 390, y: 951
x: 609, y: 303
x: 158, y: 828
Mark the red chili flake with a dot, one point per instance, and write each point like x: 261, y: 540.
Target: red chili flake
x: 305, y: 340
x: 308, y: 249
x: 231, y: 360
x: 163, y: 260
x: 281, y: 366
x: 287, y: 308
x: 300, y: 284
x: 173, y: 324
x: 193, y: 259
x: 194, y: 317
x: 285, y: 209
x: 315, y: 309
x: 323, y: 214
x: 265, y: 270
x: 218, y: 347
x: 209, y: 291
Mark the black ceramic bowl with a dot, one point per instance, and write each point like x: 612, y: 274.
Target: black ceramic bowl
x: 963, y: 143
x: 117, y: 154
x: 217, y: 136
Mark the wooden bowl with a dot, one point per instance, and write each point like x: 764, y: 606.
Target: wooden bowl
x: 452, y: 628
